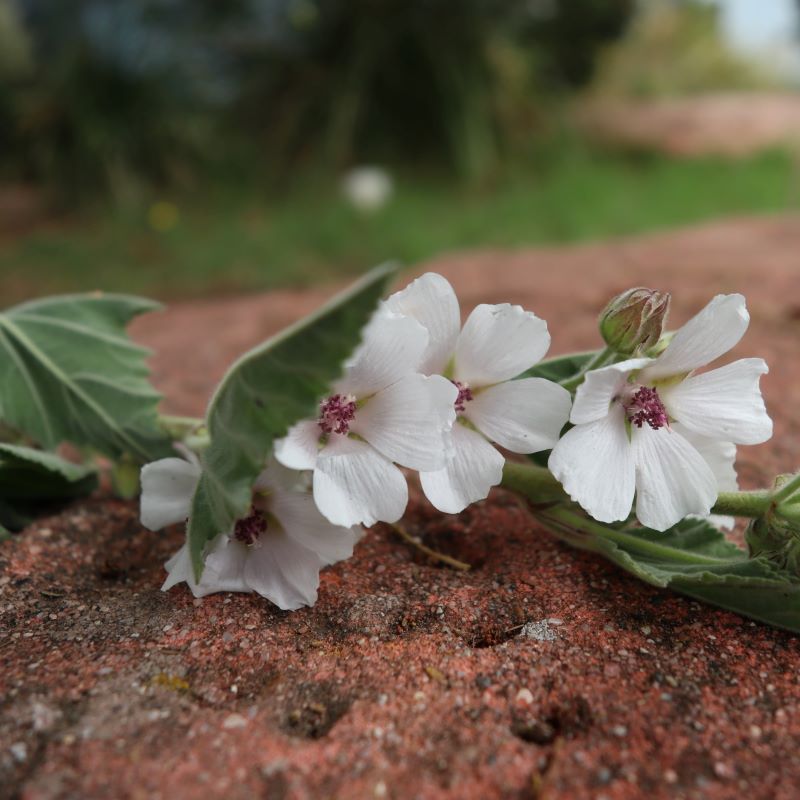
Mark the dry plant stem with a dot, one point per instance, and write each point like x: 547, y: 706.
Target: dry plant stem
x: 445, y: 559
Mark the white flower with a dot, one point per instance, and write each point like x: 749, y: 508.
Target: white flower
x: 497, y: 343
x: 276, y: 551
x: 654, y: 428
x: 380, y: 414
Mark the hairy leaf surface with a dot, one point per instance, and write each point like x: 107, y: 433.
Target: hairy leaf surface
x: 265, y: 392
x: 69, y: 372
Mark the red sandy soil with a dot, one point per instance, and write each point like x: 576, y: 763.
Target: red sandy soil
x: 697, y: 126
x: 408, y: 679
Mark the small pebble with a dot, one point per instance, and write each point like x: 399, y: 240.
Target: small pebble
x: 233, y: 721
x: 19, y: 751
x: 524, y: 697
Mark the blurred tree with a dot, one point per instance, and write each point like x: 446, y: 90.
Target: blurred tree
x: 413, y: 78
x: 674, y: 48
x: 123, y: 91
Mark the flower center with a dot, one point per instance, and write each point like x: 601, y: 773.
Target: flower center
x: 336, y: 413
x: 646, y: 406
x: 464, y: 395
x: 248, y: 529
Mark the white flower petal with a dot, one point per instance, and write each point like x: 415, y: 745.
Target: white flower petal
x: 276, y: 477
x: 393, y: 346
x: 353, y: 484
x: 709, y: 334
x: 724, y: 403
x: 594, y: 463
x: 409, y: 421
x: 283, y: 570
x: 474, y: 467
x: 168, y: 486
x: 225, y: 567
x: 524, y: 416
x: 498, y: 343
x: 720, y: 457
x: 300, y: 447
x: 672, y: 478
x: 594, y: 396
x: 301, y: 520
x: 179, y: 569
x: 431, y: 301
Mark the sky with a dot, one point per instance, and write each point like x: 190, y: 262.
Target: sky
x: 765, y: 28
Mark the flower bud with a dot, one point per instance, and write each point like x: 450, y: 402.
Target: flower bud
x: 777, y: 540
x: 776, y: 535
x: 634, y: 320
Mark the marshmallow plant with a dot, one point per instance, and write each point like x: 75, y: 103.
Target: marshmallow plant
x: 627, y: 451
x: 276, y: 550
x: 495, y: 403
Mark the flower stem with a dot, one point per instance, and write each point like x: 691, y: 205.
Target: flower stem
x: 787, y: 490
x: 599, y: 360
x: 574, y: 522
x: 180, y: 427
x: 743, y: 504
x: 434, y: 554
x: 536, y: 484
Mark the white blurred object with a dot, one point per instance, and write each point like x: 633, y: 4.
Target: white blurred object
x: 368, y: 188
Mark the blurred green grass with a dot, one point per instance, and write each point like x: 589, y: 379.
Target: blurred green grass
x: 233, y: 237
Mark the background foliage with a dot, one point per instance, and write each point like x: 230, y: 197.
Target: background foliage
x: 174, y: 147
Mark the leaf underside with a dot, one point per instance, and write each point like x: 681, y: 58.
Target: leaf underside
x: 69, y: 372
x: 32, y: 480
x: 265, y: 392
x: 560, y: 368
x: 695, y: 559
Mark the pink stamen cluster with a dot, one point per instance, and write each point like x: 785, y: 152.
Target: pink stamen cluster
x: 464, y: 395
x: 646, y: 406
x: 336, y: 413
x: 248, y: 529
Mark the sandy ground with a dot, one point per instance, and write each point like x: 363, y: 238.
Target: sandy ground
x: 541, y: 673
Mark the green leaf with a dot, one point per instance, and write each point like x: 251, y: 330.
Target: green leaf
x: 693, y: 558
x: 69, y: 372
x: 31, y: 480
x: 265, y: 392
x: 560, y: 368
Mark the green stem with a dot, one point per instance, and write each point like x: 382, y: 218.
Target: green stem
x: 787, y: 490
x: 578, y: 523
x: 600, y: 360
x: 536, y: 484
x: 179, y: 427
x: 743, y: 504
x: 539, y: 487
